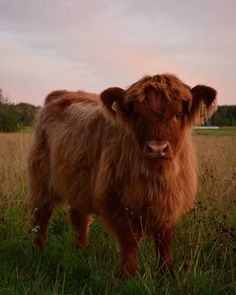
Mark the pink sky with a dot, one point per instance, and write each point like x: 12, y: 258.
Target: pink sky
x: 93, y: 45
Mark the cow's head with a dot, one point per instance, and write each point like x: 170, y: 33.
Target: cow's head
x: 160, y: 109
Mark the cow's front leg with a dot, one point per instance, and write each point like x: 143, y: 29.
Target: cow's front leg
x: 128, y: 239
x: 163, y: 241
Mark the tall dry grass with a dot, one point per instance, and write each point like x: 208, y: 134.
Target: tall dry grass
x: 14, y: 149
x: 217, y: 167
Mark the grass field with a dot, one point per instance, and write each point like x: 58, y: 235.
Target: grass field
x: 204, y: 244
x: 220, y: 131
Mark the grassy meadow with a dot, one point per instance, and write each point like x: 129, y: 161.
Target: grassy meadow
x: 219, y: 131
x: 204, y: 244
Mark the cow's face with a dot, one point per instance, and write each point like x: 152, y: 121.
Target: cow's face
x: 159, y: 125
x: 159, y: 110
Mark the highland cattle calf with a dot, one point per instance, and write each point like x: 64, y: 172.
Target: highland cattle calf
x: 126, y: 155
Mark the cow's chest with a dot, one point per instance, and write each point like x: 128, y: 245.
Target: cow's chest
x: 153, y: 203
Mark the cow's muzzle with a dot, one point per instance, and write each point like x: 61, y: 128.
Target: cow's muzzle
x: 157, y: 149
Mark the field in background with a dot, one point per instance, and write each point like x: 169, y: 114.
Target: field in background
x: 204, y: 246
x: 219, y: 131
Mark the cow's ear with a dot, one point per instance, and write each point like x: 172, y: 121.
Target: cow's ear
x: 203, y: 103
x: 113, y: 100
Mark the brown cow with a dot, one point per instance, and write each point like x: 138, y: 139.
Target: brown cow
x: 125, y: 155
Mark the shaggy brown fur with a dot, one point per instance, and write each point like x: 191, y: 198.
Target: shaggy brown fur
x: 125, y: 155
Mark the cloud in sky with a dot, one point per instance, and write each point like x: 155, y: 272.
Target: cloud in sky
x: 92, y: 45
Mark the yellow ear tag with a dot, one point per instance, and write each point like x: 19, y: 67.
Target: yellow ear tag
x: 203, y: 110
x: 114, y: 106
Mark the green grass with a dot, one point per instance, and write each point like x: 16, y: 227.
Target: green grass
x: 204, y: 251
x: 220, y: 131
x: 204, y: 243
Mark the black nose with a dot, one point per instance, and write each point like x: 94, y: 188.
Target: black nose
x: 156, y: 149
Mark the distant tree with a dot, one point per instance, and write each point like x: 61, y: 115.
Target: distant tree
x: 1, y: 95
x: 224, y: 116
x: 15, y: 116
x: 26, y: 113
x: 3, y: 98
x: 8, y: 118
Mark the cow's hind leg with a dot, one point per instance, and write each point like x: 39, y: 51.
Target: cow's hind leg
x: 40, y: 216
x: 80, y: 223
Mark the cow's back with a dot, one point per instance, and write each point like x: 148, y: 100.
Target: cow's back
x: 70, y: 135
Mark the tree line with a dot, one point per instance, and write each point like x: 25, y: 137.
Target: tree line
x: 15, y: 117
x: 224, y: 116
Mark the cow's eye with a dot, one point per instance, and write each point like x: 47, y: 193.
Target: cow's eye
x: 179, y: 115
